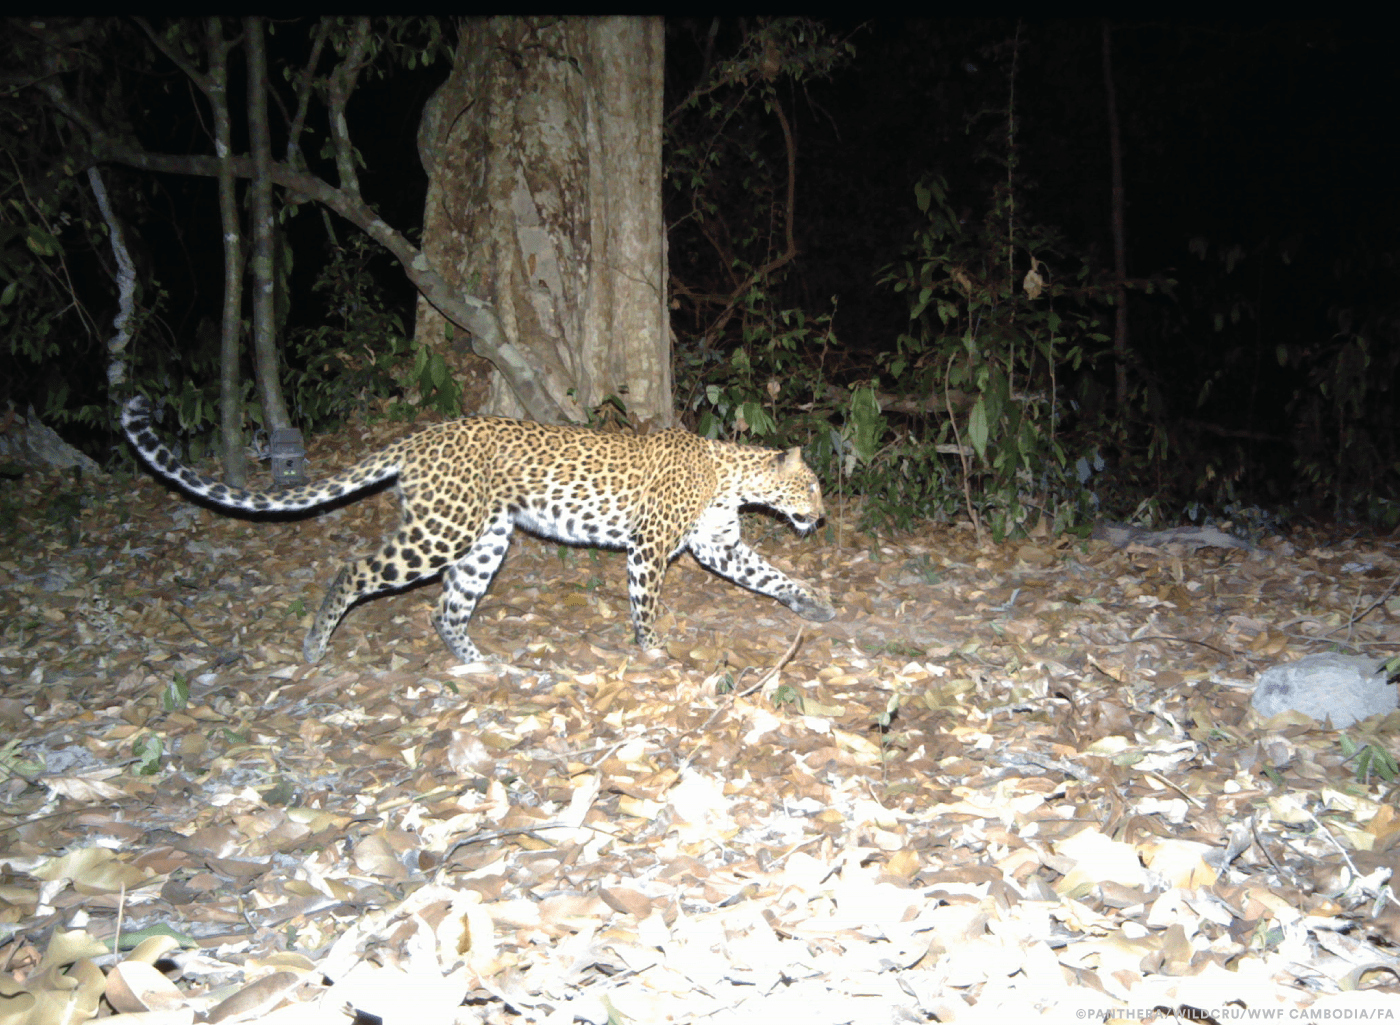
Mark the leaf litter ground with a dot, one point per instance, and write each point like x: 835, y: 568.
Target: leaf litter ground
x: 1022, y: 779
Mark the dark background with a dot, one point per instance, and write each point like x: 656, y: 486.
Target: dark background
x: 1259, y: 181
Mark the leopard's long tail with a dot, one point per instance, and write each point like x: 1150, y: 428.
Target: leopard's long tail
x: 136, y: 421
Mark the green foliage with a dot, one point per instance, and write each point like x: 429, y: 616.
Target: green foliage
x: 183, y: 381
x: 867, y: 425
x: 148, y: 750
x: 1285, y: 407
x: 611, y: 412
x: 904, y: 483
x: 965, y: 413
x: 65, y: 509
x: 748, y: 366
x: 991, y: 331
x: 57, y: 280
x: 176, y: 694
x: 14, y: 763
x: 886, y: 718
x: 925, y: 569
x: 55, y: 260
x: 437, y: 389
x: 394, y: 42
x: 1372, y: 759
x: 356, y: 353
x: 763, y: 382
x: 718, y: 160
x: 787, y: 696
x: 977, y: 414
x: 44, y: 325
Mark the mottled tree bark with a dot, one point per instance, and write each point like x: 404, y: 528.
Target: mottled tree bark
x: 230, y: 377
x: 544, y: 156
x: 601, y: 234
x: 266, y: 358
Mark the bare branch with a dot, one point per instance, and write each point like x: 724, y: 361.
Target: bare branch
x: 341, y: 84
x: 790, y: 250
x: 126, y: 283
x: 304, y: 82
x: 732, y: 71
x: 196, y: 76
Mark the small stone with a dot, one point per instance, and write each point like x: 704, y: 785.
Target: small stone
x: 1342, y: 688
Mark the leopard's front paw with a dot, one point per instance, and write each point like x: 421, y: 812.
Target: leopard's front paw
x: 648, y: 638
x: 455, y: 637
x: 807, y: 605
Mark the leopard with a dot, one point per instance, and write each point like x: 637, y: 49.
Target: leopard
x: 465, y: 485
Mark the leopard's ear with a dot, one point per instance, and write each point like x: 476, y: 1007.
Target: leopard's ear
x: 786, y: 462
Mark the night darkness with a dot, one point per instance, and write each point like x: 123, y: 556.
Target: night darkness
x: 1258, y: 182
x: 1240, y: 134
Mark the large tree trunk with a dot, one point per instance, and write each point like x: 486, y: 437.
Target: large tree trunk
x: 543, y: 151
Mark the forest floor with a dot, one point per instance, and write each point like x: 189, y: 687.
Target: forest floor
x: 1021, y: 779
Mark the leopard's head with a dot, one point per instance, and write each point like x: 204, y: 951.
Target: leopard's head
x: 792, y: 489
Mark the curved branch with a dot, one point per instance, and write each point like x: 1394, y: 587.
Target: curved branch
x: 789, y: 252
x: 126, y: 283
x: 304, y: 81
x: 199, y: 78
x: 473, y: 315
x: 342, y: 83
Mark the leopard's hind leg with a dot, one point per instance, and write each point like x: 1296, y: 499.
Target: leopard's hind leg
x: 421, y: 546
x: 465, y: 581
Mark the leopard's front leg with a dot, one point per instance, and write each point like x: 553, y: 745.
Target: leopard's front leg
x: 723, y: 552
x: 646, y: 565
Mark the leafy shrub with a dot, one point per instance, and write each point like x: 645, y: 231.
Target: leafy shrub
x: 336, y: 368
x: 51, y: 347
x: 977, y: 377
